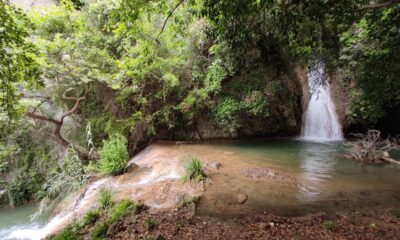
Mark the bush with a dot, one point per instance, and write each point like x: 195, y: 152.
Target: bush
x: 194, y: 170
x: 329, y: 225
x: 121, y: 209
x: 99, y: 231
x: 113, y: 155
x: 104, y: 198
x: 90, y: 218
x: 150, y: 224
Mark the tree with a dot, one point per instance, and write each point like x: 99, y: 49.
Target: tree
x: 18, y: 64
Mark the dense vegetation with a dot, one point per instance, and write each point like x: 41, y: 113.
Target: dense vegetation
x: 103, y: 78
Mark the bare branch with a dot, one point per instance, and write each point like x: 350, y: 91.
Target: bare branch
x: 59, y: 123
x: 379, y: 5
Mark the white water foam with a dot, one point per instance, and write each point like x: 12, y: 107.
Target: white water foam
x: 320, y: 121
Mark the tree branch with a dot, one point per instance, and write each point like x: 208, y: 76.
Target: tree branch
x: 165, y: 23
x: 379, y: 5
x: 59, y: 123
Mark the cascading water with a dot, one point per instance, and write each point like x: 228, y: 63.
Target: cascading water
x: 320, y: 122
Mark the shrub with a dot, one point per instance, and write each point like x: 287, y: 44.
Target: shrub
x: 99, y: 231
x: 113, y: 155
x: 329, y: 225
x: 104, y: 198
x: 90, y: 218
x: 121, y: 209
x: 194, y: 170
x: 67, y: 234
x: 150, y: 224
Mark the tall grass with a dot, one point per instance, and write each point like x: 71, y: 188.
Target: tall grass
x: 194, y: 170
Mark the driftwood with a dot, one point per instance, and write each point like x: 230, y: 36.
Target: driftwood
x: 371, y: 148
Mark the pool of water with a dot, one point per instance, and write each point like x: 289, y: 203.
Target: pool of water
x: 16, y: 223
x: 326, y: 179
x: 320, y: 179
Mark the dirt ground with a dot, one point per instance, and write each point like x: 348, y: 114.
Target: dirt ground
x: 183, y: 224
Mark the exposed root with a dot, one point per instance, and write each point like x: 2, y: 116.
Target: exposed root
x: 371, y: 148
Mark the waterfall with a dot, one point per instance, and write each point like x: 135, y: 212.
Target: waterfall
x: 320, y: 122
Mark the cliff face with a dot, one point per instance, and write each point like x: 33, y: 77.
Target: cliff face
x: 287, y: 95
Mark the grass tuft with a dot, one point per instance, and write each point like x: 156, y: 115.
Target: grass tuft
x: 150, y: 224
x: 99, y: 231
x: 329, y: 225
x: 396, y: 213
x: 66, y: 234
x: 194, y: 170
x: 90, y: 218
x: 121, y: 209
x: 105, y: 198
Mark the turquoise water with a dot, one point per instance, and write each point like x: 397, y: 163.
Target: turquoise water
x: 325, y: 159
x: 327, y: 180
x: 16, y: 223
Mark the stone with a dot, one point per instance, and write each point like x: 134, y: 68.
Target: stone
x: 215, y: 165
x: 240, y: 198
x: 131, y: 167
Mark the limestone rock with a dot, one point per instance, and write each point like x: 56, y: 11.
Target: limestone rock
x: 240, y: 198
x: 131, y: 167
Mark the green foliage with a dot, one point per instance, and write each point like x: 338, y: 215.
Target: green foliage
x: 121, y: 209
x: 113, y: 155
x: 69, y: 178
x: 396, y: 213
x: 369, y: 58
x: 329, y: 225
x: 105, y: 198
x: 99, y: 231
x: 90, y: 218
x: 227, y: 114
x: 66, y: 234
x: 150, y: 224
x: 185, y: 200
x: 18, y: 60
x: 194, y: 170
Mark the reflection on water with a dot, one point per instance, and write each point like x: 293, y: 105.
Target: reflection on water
x: 327, y: 181
x: 317, y: 162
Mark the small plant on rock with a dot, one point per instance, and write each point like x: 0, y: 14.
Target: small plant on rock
x: 396, y: 213
x: 150, y: 224
x: 66, y: 234
x: 104, y: 198
x: 90, y: 218
x: 194, y: 170
x: 99, y: 231
x: 121, y: 209
x: 185, y: 200
x: 329, y: 225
